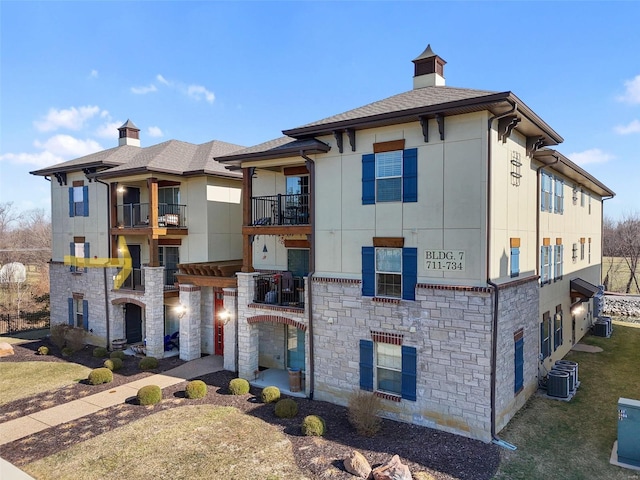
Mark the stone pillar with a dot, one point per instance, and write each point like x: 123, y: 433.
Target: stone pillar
x: 154, y: 311
x: 190, y: 322
x: 230, y: 330
x: 248, y: 338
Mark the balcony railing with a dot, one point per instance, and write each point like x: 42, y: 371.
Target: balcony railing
x: 136, y: 215
x: 170, y: 278
x: 281, y: 209
x: 135, y: 281
x: 281, y: 289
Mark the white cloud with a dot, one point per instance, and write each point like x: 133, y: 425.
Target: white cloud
x: 109, y: 129
x: 42, y: 159
x: 93, y: 74
x: 144, y: 90
x: 69, y: 147
x: 155, y: 132
x: 72, y: 118
x: 161, y: 79
x: 633, y: 127
x: 632, y: 91
x: 198, y: 92
x: 594, y: 155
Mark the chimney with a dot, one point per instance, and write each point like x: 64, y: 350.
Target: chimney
x: 429, y: 70
x: 129, y: 134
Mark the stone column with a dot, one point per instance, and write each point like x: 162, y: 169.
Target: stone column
x: 190, y: 322
x: 248, y: 338
x: 154, y: 310
x: 231, y: 329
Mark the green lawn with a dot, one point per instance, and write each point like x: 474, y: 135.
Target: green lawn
x: 573, y: 440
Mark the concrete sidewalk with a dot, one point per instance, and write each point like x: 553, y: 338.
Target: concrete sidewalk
x: 28, y: 425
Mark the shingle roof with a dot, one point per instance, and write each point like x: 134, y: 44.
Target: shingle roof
x: 277, y: 148
x: 110, y: 157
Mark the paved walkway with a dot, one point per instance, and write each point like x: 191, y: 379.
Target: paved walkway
x: 29, y: 424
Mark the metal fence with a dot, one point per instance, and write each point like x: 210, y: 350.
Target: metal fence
x: 13, y: 323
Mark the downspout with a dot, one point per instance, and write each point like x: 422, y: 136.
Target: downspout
x: 494, y: 328
x: 104, y: 270
x: 311, y: 166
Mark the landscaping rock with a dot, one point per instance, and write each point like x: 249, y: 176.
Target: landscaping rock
x: 394, y: 469
x: 621, y: 305
x: 357, y: 465
x: 5, y: 349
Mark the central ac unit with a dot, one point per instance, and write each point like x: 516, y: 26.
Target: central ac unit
x: 573, y: 375
x: 558, y: 384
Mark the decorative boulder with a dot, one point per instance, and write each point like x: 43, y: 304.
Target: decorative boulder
x: 5, y: 349
x: 357, y: 465
x: 394, y: 469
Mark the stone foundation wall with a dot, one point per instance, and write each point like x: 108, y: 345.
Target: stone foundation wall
x: 622, y: 305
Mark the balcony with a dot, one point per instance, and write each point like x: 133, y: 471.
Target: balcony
x: 281, y: 289
x: 135, y: 281
x: 280, y: 210
x: 136, y: 215
x: 170, y: 278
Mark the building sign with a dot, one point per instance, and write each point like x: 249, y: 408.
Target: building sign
x: 444, y: 260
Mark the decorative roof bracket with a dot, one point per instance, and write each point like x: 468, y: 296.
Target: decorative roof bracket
x: 89, y: 171
x: 440, y: 120
x: 506, y: 126
x: 338, y: 135
x: 61, y: 177
x: 533, y: 144
x: 424, y: 123
x: 351, y: 133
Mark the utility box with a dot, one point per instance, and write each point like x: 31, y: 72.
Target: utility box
x: 629, y: 431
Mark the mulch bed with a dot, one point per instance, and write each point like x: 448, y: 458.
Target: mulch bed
x: 443, y: 455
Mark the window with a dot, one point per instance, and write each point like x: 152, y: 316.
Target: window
x: 515, y: 261
x: 390, y: 176
x: 582, y: 199
x: 589, y: 203
x: 169, y: 258
x: 545, y: 336
x: 546, y: 187
x: 589, y: 251
x: 557, y: 328
x: 389, y: 368
x: 78, y: 249
x: 389, y: 272
x: 168, y: 200
x: 78, y: 200
x: 582, y: 249
x: 545, y: 264
x: 559, y: 252
x: 78, y: 311
x: 518, y: 343
x: 558, y: 205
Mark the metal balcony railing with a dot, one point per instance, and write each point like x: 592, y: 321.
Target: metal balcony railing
x: 281, y: 209
x: 135, y: 281
x: 170, y: 278
x: 136, y: 215
x: 281, y: 289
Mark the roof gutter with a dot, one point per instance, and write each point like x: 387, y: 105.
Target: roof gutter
x: 311, y: 166
x: 494, y: 286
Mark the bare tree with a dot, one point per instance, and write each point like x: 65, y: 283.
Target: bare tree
x: 610, y: 252
x: 628, y: 241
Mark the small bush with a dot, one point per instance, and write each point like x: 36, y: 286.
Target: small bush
x: 75, y: 337
x: 239, y: 386
x: 270, y: 394
x: 43, y: 350
x: 286, y: 408
x: 117, y: 354
x: 149, y: 395
x: 113, y: 364
x: 100, y: 352
x: 147, y: 363
x: 100, y: 375
x: 58, y: 333
x: 313, y: 425
x: 67, y: 351
x: 195, y: 389
x: 363, y: 413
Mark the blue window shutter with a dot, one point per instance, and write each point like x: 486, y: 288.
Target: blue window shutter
x: 409, y: 273
x: 72, y: 252
x: 409, y: 373
x: 410, y: 175
x: 519, y: 365
x: 366, y: 365
x: 85, y: 199
x: 85, y: 314
x: 71, y: 209
x: 542, y: 347
x: 369, y: 179
x: 515, y: 261
x: 368, y: 271
x: 71, y: 319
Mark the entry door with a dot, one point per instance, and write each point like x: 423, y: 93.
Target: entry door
x: 218, y: 325
x: 295, y: 348
x: 131, y: 201
x: 133, y: 323
x: 134, y: 251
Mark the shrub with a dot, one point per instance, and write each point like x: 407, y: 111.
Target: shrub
x: 100, y: 375
x: 149, y: 395
x: 100, y: 352
x: 239, y: 386
x: 118, y: 354
x: 270, y: 394
x: 113, y: 364
x: 286, y: 408
x: 313, y: 425
x: 363, y: 413
x: 195, y: 389
x: 43, y: 350
x: 57, y: 333
x: 67, y: 351
x: 75, y: 337
x: 147, y: 363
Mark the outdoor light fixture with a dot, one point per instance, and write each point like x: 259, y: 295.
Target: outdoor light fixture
x: 120, y: 189
x: 225, y: 316
x: 181, y: 310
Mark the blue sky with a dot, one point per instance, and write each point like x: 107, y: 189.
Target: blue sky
x: 72, y: 72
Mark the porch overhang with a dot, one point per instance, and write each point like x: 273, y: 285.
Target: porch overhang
x: 581, y: 290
